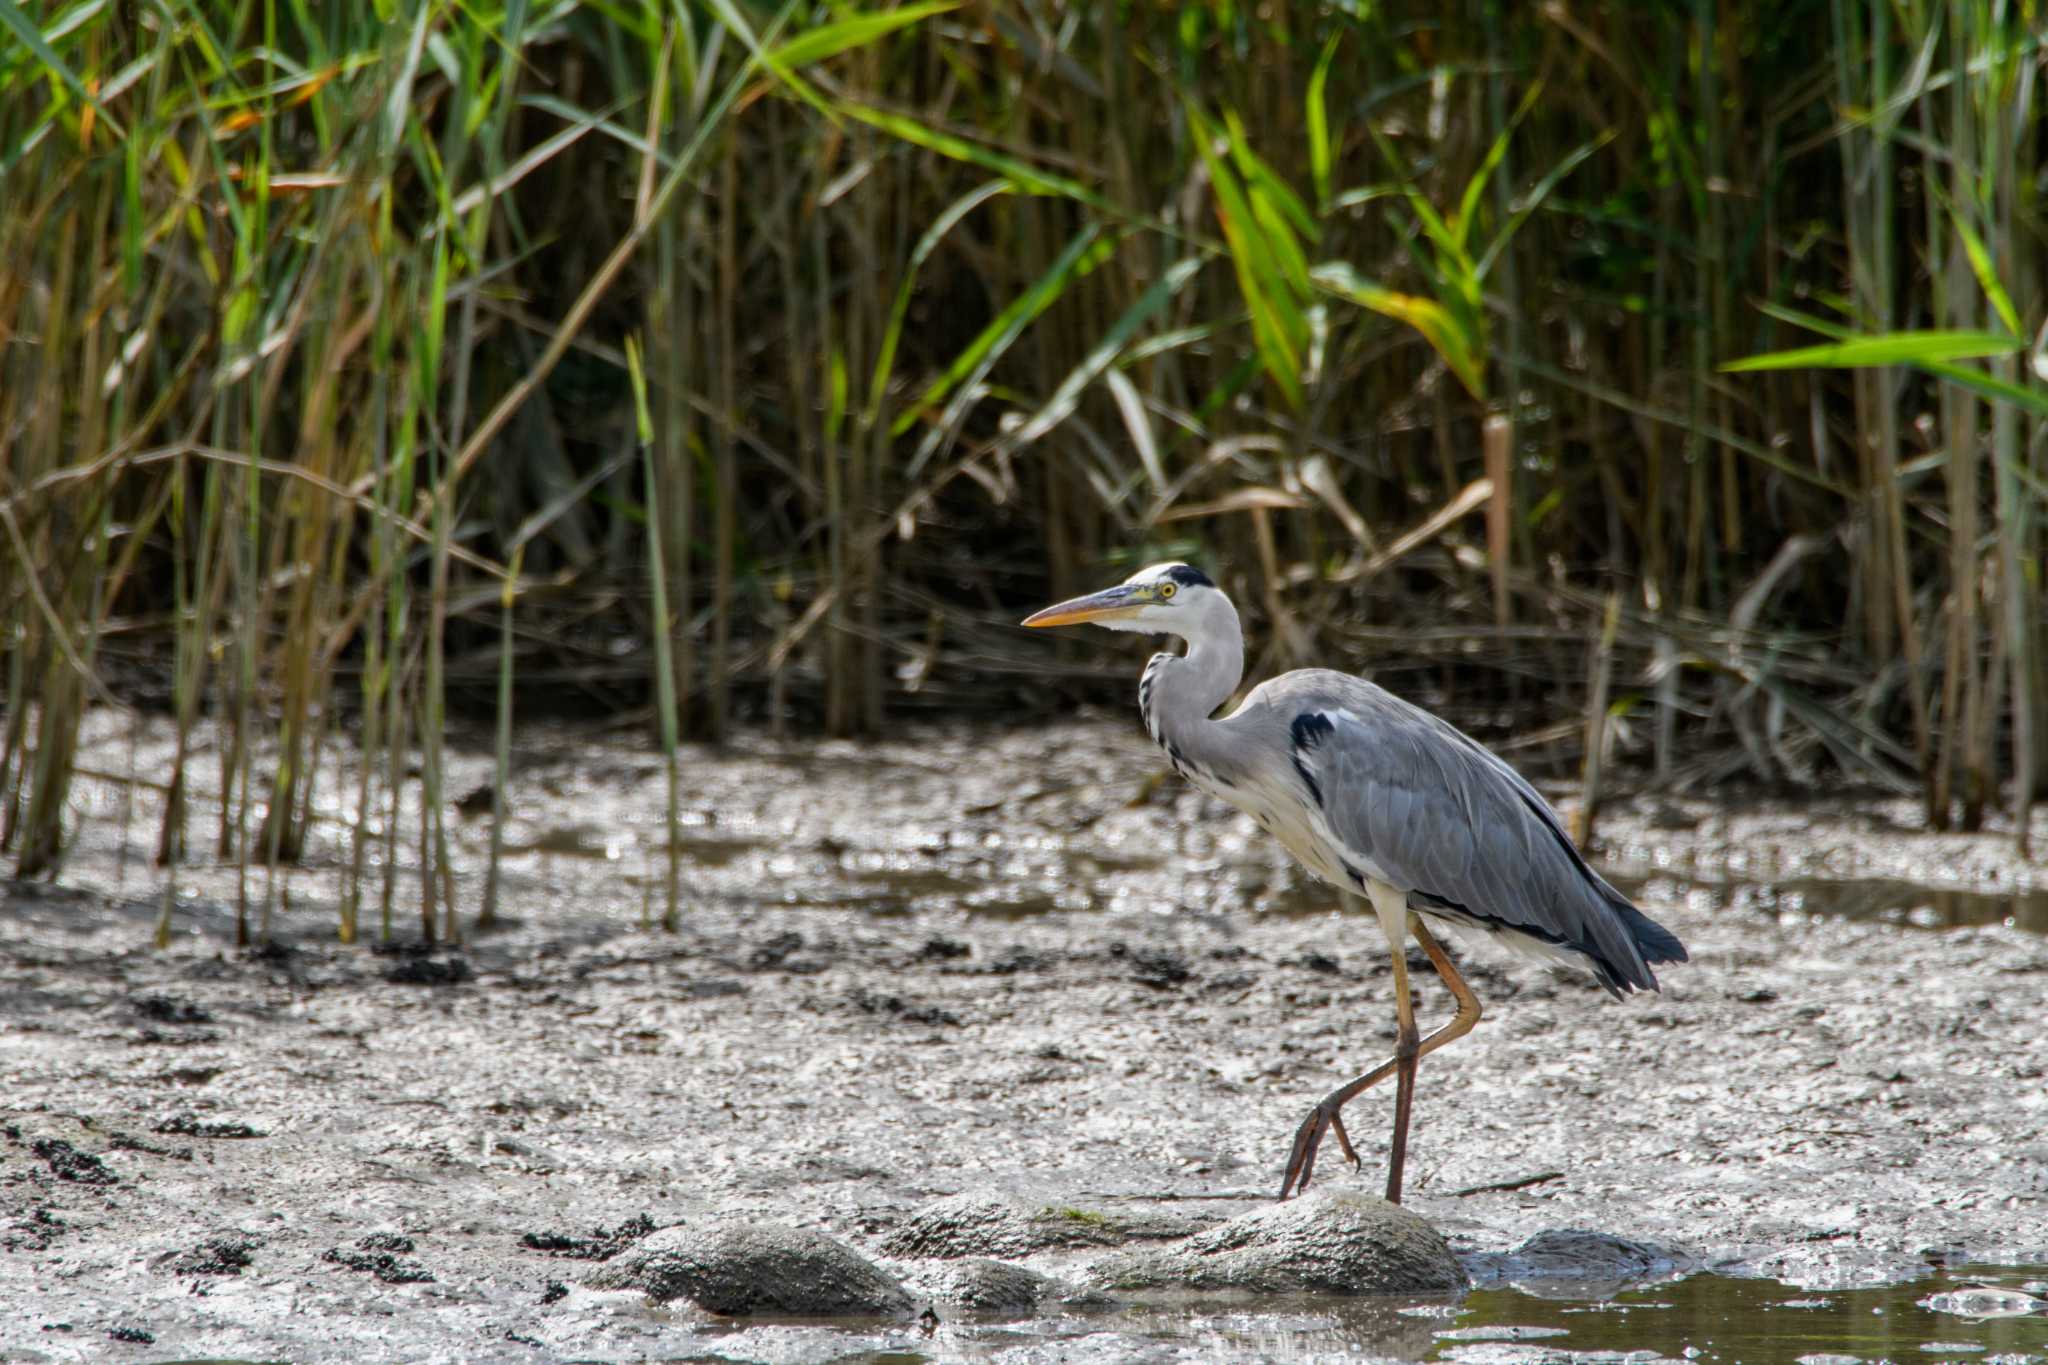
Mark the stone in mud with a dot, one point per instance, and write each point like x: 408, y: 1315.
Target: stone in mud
x: 736, y: 1267
x: 985, y: 1224
x: 1330, y: 1242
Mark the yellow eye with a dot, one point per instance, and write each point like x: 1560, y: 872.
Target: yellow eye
x: 1166, y: 591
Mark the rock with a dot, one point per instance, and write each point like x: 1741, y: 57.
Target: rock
x: 979, y: 1285
x: 985, y: 1224
x: 1580, y: 1256
x: 1330, y: 1242
x: 735, y: 1267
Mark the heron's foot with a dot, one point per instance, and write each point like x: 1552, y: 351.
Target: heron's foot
x: 1301, y: 1162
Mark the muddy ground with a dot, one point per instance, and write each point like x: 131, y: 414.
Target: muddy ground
x: 958, y: 962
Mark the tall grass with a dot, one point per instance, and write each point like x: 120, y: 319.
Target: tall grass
x: 315, y: 402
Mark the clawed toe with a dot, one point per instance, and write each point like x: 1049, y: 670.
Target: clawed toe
x: 1308, y: 1140
x: 1301, y: 1161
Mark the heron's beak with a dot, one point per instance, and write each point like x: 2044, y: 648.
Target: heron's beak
x: 1121, y: 600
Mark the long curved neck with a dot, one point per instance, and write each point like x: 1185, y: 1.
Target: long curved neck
x: 1179, y: 692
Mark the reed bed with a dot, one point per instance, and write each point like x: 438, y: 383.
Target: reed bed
x: 750, y: 364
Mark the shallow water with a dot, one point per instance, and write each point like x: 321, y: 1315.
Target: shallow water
x: 1962, y: 1313
x: 1970, y: 1313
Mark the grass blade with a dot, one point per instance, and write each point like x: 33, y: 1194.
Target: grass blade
x: 843, y: 35
x: 1892, y: 348
x: 1023, y: 178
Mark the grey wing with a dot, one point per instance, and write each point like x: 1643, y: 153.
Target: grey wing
x: 1427, y: 809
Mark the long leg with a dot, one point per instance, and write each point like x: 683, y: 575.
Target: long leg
x: 1324, y: 1117
x: 1407, y: 1050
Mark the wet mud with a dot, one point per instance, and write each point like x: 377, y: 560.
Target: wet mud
x: 1006, y: 966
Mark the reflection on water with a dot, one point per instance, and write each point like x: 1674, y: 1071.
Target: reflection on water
x: 1709, y: 1317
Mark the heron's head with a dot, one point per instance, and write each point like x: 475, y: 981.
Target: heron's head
x: 1159, y: 599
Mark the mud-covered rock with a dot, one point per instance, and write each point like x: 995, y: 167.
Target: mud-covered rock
x: 1331, y: 1242
x: 733, y: 1267
x: 981, y: 1223
x: 977, y: 1284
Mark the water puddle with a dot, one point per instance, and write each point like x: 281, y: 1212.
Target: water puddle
x: 1983, y: 1313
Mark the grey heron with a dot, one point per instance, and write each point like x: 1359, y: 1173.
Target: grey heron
x: 1375, y: 796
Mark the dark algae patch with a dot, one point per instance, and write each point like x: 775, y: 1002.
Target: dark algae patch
x: 379, y: 1254
x: 37, y: 1232
x: 1160, y: 968
x: 127, y: 1142
x: 164, y: 1009
x: 909, y: 1011
x: 68, y: 1163
x: 188, y: 1125
x: 225, y: 1254
x: 600, y: 1245
x: 430, y: 971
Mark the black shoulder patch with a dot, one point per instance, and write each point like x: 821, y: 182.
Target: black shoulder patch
x: 1311, y: 728
x: 1188, y: 576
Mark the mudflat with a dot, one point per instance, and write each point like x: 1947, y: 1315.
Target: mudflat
x: 993, y: 964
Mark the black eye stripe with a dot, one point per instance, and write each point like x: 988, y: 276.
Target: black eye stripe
x: 1188, y: 576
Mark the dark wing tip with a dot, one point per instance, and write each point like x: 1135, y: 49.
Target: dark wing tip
x: 1656, y: 943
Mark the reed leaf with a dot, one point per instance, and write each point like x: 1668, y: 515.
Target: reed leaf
x: 1894, y: 348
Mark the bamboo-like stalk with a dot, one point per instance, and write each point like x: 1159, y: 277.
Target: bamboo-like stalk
x: 1592, y: 769
x: 501, y: 770
x: 664, y: 666
x: 725, y: 482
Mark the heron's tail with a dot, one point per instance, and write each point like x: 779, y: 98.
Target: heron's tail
x: 1656, y: 943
